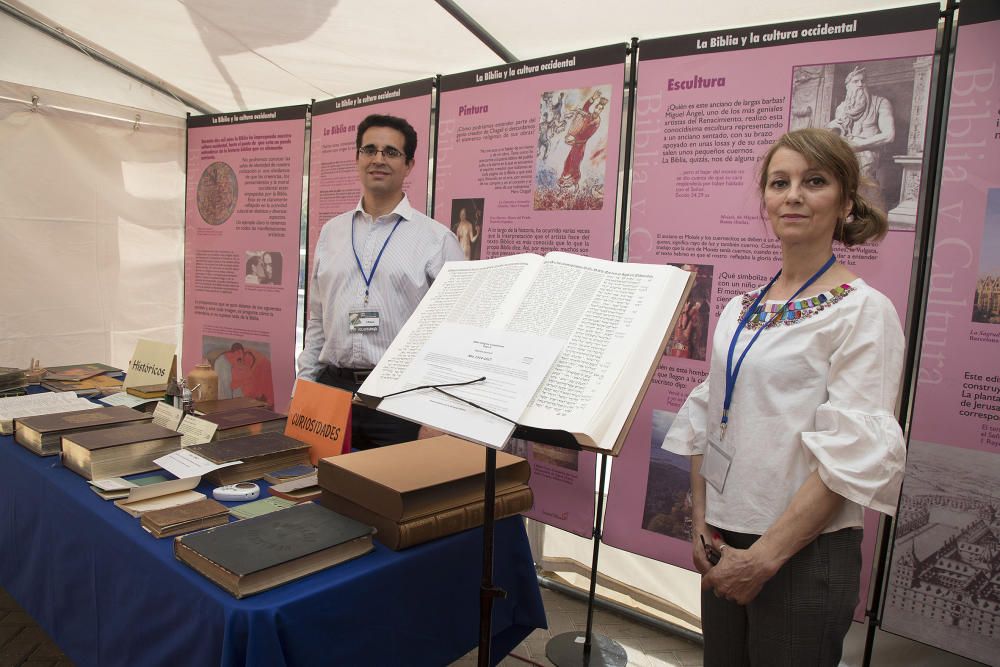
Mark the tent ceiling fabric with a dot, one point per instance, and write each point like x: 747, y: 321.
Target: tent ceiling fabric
x: 259, y: 53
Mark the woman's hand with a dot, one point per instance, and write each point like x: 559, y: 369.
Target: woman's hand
x: 739, y: 575
x: 701, y: 536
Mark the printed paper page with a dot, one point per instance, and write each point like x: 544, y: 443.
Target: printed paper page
x: 479, y: 294
x: 512, y: 365
x: 195, y: 431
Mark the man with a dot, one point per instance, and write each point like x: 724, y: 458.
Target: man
x: 865, y: 120
x: 373, y: 265
x: 254, y: 272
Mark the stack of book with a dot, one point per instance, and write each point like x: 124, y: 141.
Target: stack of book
x: 259, y: 454
x: 12, y: 378
x: 253, y: 555
x: 83, y: 379
x: 418, y: 491
x: 42, y: 434
x: 246, y: 421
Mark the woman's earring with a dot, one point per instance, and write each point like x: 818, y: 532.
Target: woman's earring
x: 849, y: 219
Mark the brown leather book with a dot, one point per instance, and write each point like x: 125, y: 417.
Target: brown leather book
x: 148, y: 391
x: 259, y: 453
x: 224, y: 404
x: 41, y: 434
x: 186, y: 518
x: 298, y: 490
x: 253, y: 555
x: 246, y: 421
x: 399, y: 535
x: 418, y: 478
x: 114, y: 452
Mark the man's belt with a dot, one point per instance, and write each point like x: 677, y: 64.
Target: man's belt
x: 355, y: 375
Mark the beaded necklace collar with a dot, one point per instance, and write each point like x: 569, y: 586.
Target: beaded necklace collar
x: 796, y: 310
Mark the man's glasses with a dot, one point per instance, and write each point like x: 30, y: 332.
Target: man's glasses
x: 389, y: 153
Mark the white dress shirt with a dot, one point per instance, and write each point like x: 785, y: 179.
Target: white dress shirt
x: 412, y: 259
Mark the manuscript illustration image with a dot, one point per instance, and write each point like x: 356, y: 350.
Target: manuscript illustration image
x: 943, y: 578
x: 689, y: 339
x: 987, y: 304
x: 262, y: 267
x: 667, y: 509
x: 244, y: 367
x: 467, y: 225
x: 218, y: 193
x: 880, y: 108
x: 571, y: 154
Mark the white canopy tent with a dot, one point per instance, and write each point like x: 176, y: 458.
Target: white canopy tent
x: 93, y: 98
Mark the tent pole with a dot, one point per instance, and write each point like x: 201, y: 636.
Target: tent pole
x: 479, y: 31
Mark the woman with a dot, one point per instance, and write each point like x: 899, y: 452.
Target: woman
x: 782, y: 469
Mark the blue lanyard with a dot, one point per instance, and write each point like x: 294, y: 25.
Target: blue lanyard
x: 731, y: 372
x: 368, y: 278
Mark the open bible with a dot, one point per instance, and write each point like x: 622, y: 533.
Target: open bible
x: 614, y: 320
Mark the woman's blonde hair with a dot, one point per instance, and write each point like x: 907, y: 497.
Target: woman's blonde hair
x: 827, y: 150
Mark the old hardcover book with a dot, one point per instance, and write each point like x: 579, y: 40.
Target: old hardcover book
x: 404, y: 534
x: 259, y: 453
x: 614, y: 319
x: 42, y: 434
x: 298, y: 490
x: 187, y: 518
x: 152, y: 497
x: 226, y: 404
x: 79, y: 371
x: 247, y: 421
x: 418, y: 478
x: 256, y: 554
x: 289, y: 473
x: 114, y: 452
x: 148, y: 391
x: 92, y: 386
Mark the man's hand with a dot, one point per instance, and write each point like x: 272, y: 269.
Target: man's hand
x: 428, y: 432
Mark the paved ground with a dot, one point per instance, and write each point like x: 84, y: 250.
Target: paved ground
x: 22, y: 642
x: 644, y: 645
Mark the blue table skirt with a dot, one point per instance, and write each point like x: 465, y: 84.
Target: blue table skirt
x: 108, y: 593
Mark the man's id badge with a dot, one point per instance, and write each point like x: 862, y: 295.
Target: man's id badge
x: 715, y: 465
x: 363, y: 321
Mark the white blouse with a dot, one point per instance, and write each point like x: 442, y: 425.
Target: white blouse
x: 817, y: 392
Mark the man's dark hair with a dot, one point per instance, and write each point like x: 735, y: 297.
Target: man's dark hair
x: 396, y: 123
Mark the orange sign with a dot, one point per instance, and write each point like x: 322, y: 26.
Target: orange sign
x: 320, y: 416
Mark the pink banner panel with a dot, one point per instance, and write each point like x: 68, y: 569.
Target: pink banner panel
x: 241, y: 249
x: 707, y: 108
x: 527, y: 161
x: 943, y: 588
x: 333, y: 180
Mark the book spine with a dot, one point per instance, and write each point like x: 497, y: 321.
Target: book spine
x: 449, y: 522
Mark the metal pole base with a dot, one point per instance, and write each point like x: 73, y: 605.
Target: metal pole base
x: 567, y: 649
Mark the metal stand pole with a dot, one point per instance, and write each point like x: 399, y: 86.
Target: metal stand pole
x: 487, y: 591
x: 577, y: 648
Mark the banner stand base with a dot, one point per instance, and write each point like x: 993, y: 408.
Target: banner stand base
x: 568, y: 649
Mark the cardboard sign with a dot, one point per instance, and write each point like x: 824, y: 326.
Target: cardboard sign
x: 320, y: 415
x: 152, y: 363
